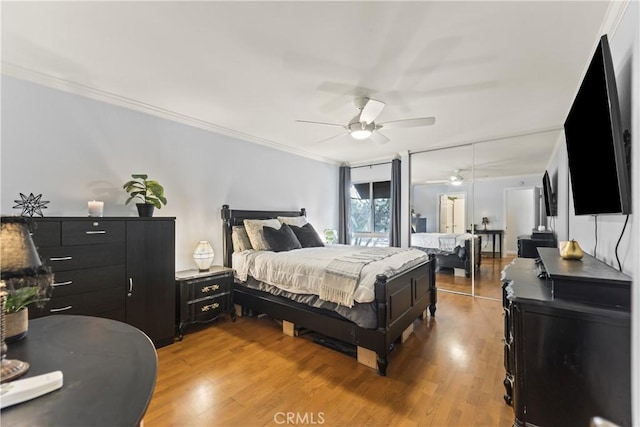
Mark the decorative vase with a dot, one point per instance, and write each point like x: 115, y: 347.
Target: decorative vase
x: 145, y: 210
x: 16, y: 325
x: 572, y: 251
x: 203, y: 255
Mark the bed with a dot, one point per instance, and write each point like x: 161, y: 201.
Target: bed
x: 451, y: 250
x: 398, y: 299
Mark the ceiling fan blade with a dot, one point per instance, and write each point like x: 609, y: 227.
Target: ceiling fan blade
x: 371, y: 111
x: 332, y: 137
x: 379, y: 138
x: 319, y: 123
x: 408, y: 123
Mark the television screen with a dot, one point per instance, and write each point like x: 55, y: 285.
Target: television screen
x: 598, y: 163
x: 550, y: 204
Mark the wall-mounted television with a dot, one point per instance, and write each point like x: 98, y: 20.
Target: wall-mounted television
x: 550, y: 201
x: 599, y: 162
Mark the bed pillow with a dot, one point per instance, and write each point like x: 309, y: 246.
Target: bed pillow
x: 298, y: 221
x: 240, y: 239
x: 256, y: 236
x: 307, y: 236
x: 282, y: 239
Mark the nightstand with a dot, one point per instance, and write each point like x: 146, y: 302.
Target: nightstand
x: 202, y: 296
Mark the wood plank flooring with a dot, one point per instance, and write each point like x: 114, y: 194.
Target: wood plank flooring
x: 247, y: 373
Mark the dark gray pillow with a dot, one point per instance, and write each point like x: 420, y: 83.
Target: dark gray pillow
x: 307, y: 236
x: 281, y: 239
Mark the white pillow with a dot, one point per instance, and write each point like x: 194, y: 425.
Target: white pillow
x: 240, y: 239
x: 256, y: 236
x: 298, y: 221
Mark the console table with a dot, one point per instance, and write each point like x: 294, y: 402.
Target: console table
x: 493, y: 234
x: 567, y: 341
x: 109, y: 371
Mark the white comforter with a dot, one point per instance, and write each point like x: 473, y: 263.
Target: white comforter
x: 301, y: 270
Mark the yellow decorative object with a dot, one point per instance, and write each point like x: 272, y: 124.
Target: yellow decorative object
x: 572, y: 251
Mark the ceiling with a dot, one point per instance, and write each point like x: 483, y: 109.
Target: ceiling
x: 500, y: 71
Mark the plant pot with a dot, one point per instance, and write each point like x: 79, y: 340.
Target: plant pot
x: 145, y: 210
x: 16, y: 325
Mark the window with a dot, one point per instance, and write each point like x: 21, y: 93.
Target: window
x: 371, y: 213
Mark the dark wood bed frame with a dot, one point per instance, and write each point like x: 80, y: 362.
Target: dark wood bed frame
x: 454, y: 261
x: 398, y: 302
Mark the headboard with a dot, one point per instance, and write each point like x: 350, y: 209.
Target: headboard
x: 231, y: 217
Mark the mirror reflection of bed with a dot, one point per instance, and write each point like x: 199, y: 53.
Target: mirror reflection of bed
x: 482, y: 173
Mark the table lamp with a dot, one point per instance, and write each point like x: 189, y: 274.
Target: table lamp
x: 20, y: 267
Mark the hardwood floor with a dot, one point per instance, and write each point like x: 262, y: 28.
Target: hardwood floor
x: 247, y: 373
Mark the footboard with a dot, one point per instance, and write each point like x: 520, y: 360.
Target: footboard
x: 400, y: 302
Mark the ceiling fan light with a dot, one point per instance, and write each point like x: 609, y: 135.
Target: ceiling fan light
x: 361, y: 130
x: 456, y: 182
x: 360, y: 134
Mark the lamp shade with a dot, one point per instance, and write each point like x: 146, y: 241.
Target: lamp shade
x: 20, y: 263
x: 203, y: 255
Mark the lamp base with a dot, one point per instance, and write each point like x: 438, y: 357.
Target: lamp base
x: 12, y: 369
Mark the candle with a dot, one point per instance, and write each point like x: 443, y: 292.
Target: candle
x: 95, y: 208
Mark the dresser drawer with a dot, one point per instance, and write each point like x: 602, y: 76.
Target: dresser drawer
x: 46, y: 233
x: 208, y: 309
x: 92, y: 232
x: 207, y: 287
x: 64, y: 258
x: 92, y: 279
x: 87, y: 304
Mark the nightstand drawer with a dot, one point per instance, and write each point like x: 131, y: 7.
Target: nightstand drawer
x: 208, y: 287
x: 92, y: 232
x: 207, y: 309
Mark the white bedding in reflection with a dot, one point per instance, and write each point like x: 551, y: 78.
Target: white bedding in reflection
x: 443, y: 241
x: 302, y: 270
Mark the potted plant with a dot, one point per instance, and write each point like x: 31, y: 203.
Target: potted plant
x: 17, y: 308
x: 149, y: 192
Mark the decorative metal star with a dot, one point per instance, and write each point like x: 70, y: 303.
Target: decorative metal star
x: 31, y: 204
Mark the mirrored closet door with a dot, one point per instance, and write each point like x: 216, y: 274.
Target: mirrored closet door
x: 442, y: 214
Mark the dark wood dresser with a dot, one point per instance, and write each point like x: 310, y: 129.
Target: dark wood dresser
x: 120, y: 268
x: 567, y: 340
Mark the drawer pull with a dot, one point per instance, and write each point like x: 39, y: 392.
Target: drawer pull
x: 130, y: 286
x: 96, y: 232
x: 210, y: 288
x: 68, y: 282
x: 210, y: 307
x: 61, y: 258
x: 55, y: 310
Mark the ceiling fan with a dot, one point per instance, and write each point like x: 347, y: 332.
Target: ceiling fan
x: 455, y: 178
x: 363, y: 125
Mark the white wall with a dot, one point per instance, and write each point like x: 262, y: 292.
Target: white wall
x: 73, y: 149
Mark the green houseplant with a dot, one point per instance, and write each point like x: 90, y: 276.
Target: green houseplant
x: 149, y: 192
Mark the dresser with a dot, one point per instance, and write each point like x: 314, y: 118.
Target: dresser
x: 119, y: 268
x: 202, y: 296
x: 528, y: 243
x: 567, y: 341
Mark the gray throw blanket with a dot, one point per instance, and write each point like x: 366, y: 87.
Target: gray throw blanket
x: 342, y: 274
